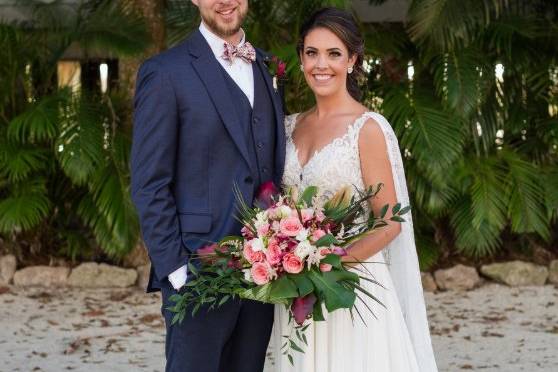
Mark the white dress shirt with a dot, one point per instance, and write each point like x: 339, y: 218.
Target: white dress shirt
x: 242, y: 74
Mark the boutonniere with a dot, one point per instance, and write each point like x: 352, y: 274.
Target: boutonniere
x: 277, y: 69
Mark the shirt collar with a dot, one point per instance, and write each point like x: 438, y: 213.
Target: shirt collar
x: 215, y: 42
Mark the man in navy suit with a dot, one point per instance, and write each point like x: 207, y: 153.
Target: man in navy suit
x: 207, y: 117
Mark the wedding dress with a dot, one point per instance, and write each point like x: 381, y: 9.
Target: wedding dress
x: 397, y: 338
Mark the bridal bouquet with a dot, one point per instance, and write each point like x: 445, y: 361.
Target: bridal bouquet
x: 290, y: 254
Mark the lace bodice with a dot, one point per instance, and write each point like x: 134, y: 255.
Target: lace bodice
x: 330, y: 168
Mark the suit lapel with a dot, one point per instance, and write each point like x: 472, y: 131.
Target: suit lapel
x: 208, y: 70
x: 278, y: 108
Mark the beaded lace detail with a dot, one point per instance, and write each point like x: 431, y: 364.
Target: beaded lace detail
x: 330, y: 168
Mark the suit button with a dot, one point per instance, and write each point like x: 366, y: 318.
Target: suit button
x: 249, y: 180
x: 260, y: 145
x: 256, y: 120
x: 264, y: 170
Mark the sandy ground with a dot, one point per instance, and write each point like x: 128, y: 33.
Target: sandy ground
x: 494, y: 328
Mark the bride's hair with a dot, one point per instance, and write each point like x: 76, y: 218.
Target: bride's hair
x: 344, y: 26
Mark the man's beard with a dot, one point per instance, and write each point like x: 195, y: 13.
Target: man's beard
x: 221, y: 31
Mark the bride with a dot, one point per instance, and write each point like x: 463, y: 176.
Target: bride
x: 335, y: 143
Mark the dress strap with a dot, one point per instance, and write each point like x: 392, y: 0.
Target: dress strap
x: 290, y: 123
x: 354, y: 129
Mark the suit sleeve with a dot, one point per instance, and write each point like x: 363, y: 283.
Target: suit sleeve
x: 152, y: 168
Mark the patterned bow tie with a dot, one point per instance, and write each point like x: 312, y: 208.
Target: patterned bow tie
x: 246, y: 52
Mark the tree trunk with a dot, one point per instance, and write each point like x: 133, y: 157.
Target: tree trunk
x: 153, y: 13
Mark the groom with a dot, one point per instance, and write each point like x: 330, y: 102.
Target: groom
x: 207, y: 117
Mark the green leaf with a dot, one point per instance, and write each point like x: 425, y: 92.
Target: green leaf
x: 332, y: 259
x: 307, y: 195
x: 326, y: 241
x: 303, y: 284
x: 335, y: 295
x: 282, y: 290
x: 259, y: 293
x: 384, y: 210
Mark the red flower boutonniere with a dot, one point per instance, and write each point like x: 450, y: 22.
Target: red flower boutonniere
x: 277, y: 69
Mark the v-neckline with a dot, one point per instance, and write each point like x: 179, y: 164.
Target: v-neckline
x: 320, y: 150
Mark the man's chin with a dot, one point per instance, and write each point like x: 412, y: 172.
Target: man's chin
x: 223, y: 29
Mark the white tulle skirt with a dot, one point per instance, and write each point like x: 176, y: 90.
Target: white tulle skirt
x: 343, y: 344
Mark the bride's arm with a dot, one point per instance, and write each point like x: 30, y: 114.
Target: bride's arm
x: 376, y: 168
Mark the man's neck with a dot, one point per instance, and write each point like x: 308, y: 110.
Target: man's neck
x: 234, y: 39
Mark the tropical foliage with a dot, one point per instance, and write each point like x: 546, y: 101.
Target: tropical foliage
x: 470, y: 87
x: 64, y: 154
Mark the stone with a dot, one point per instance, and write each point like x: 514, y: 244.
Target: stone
x: 553, y: 272
x: 137, y: 257
x: 43, y: 276
x: 8, y: 265
x: 143, y: 275
x: 516, y: 273
x: 459, y: 278
x: 428, y: 283
x: 94, y: 275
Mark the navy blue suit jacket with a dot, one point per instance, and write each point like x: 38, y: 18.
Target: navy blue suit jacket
x: 188, y: 151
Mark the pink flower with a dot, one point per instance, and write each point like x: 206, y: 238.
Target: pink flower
x: 290, y: 226
x: 250, y: 255
x: 274, y: 252
x: 265, y: 195
x: 281, y: 67
x: 292, y: 264
x: 339, y: 251
x: 320, y: 216
x: 324, y: 251
x: 325, y: 267
x: 307, y: 214
x: 263, y: 229
x: 260, y: 273
x: 317, y: 234
x: 247, y: 233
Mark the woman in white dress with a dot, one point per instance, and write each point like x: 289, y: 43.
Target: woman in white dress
x: 335, y: 143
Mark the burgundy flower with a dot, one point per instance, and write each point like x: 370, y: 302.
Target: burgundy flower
x: 302, y: 307
x: 265, y: 195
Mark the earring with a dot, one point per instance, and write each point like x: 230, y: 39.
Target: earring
x: 350, y: 70
x: 301, y: 67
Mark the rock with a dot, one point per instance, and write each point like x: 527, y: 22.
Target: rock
x: 516, y: 273
x: 459, y: 277
x: 143, y: 275
x: 94, y: 275
x: 428, y: 283
x: 553, y: 272
x: 137, y: 257
x: 7, y: 269
x: 44, y: 276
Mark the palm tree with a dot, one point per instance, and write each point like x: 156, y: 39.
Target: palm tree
x: 64, y: 155
x: 477, y: 119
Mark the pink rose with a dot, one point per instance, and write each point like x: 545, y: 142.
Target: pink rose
x: 292, y: 264
x: 290, y: 226
x: 325, y: 267
x: 317, y: 234
x: 250, y: 255
x: 273, y: 253
x: 260, y: 273
x: 320, y: 216
x: 324, y: 251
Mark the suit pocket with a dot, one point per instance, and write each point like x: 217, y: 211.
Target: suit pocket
x: 195, y: 222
